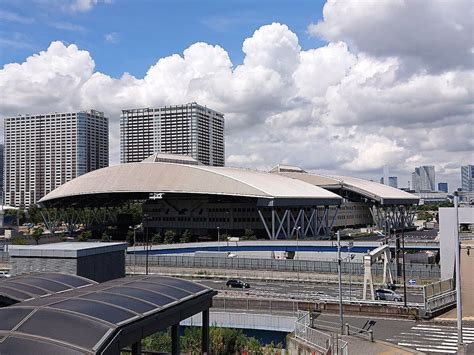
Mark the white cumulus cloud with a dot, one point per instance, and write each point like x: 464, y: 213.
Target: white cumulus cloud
x: 331, y: 109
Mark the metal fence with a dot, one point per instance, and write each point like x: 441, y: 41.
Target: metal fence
x: 324, y: 342
x: 421, y: 271
x: 438, y: 288
x: 321, y: 341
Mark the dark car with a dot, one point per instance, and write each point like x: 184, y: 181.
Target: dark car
x: 387, y: 295
x: 237, y: 283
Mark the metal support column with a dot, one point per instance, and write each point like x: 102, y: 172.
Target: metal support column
x: 457, y: 270
x: 175, y: 350
x: 137, y: 348
x: 205, y: 332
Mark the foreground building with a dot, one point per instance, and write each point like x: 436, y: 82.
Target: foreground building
x: 190, y: 129
x: 43, y: 152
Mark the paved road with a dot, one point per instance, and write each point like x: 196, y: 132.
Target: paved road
x: 432, y: 338
x: 304, y: 290
x: 428, y: 337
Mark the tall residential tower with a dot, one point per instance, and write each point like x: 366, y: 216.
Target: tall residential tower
x: 189, y: 129
x: 43, y: 152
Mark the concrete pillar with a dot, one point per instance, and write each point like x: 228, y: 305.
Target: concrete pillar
x: 137, y: 348
x: 205, y: 332
x: 175, y: 349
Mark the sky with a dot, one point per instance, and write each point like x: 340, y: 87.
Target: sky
x: 343, y: 87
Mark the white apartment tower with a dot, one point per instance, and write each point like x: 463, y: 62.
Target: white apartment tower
x: 189, y: 129
x: 43, y: 152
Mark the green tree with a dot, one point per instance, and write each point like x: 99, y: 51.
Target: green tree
x: 129, y: 238
x: 105, y: 237
x: 156, y: 239
x: 34, y: 214
x: 37, y: 234
x: 185, y: 237
x: 249, y: 235
x: 85, y: 236
x: 169, y: 236
x: 160, y: 341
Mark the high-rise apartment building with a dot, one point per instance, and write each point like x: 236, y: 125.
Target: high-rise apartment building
x: 1, y: 172
x: 43, y: 152
x: 443, y: 187
x: 393, y: 181
x: 423, y: 178
x: 189, y: 129
x: 467, y: 178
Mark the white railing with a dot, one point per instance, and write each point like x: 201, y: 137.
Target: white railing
x: 440, y: 301
x: 321, y: 341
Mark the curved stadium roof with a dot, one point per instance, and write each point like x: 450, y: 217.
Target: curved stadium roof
x: 143, y: 178
x: 99, y: 318
x: 383, y: 194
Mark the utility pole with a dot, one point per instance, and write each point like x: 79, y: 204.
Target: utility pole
x: 145, y: 217
x: 458, y: 273
x: 403, y: 261
x: 339, y: 272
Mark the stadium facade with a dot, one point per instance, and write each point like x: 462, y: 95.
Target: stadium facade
x: 183, y: 195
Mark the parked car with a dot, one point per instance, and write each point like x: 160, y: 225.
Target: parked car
x: 237, y: 283
x: 4, y: 274
x: 387, y: 295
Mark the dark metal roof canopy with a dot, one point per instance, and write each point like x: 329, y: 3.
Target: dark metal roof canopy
x: 100, y: 318
x: 29, y: 286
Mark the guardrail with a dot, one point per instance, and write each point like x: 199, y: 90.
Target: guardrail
x: 439, y: 302
x: 325, y: 343
x: 319, y: 340
x: 421, y: 271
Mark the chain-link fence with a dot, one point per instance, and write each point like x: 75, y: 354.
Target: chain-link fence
x: 421, y: 271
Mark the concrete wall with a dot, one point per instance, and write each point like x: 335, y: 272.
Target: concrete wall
x: 98, y: 267
x: 467, y: 281
x: 102, y: 267
x: 447, y: 237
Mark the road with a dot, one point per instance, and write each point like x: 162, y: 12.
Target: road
x: 303, y: 290
x: 428, y: 337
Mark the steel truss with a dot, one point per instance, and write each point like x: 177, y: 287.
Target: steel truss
x: 312, y: 224
x: 393, y: 217
x: 73, y: 217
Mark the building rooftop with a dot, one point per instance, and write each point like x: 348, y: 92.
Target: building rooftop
x: 99, y: 318
x: 66, y: 249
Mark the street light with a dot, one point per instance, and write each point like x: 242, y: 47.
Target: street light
x: 297, y: 229
x: 339, y: 272
x: 134, y: 246
x: 145, y: 218
x: 218, y: 239
x: 458, y: 273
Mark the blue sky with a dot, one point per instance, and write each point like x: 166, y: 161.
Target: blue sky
x: 338, y: 87
x: 140, y: 32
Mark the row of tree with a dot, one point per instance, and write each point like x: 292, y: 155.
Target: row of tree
x: 222, y: 341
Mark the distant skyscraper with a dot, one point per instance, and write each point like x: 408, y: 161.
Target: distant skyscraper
x: 43, y: 152
x: 189, y: 129
x: 443, y: 187
x: 2, y: 171
x: 393, y: 181
x: 467, y: 178
x: 423, y: 178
